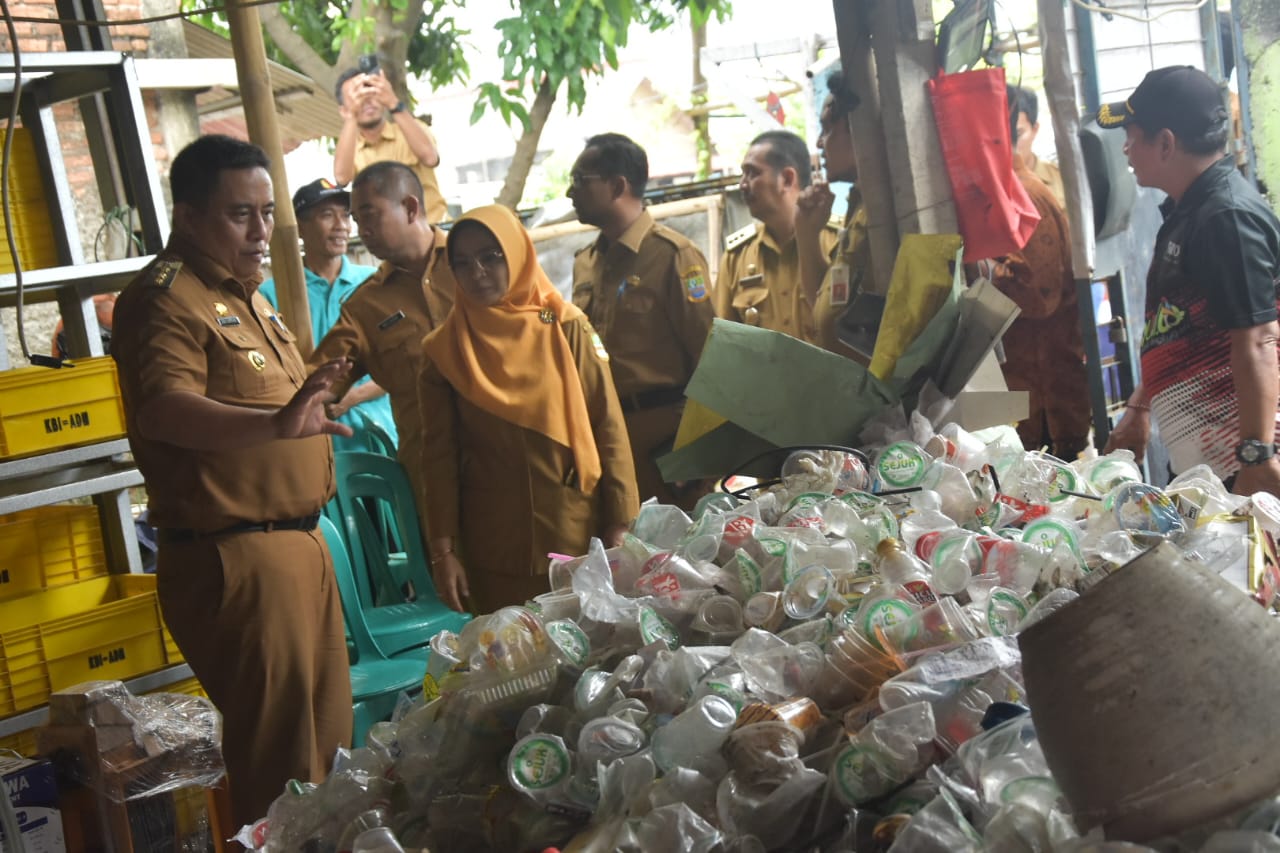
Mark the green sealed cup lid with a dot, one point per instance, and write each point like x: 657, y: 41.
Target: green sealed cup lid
x: 571, y: 640
x: 539, y: 763
x: 654, y: 628
x: 1048, y: 533
x: 902, y: 464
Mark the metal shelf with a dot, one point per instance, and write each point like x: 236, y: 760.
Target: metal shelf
x: 88, y: 279
x: 139, y: 684
x: 62, y: 458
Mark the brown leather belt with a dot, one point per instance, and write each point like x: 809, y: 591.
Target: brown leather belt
x: 172, y: 534
x: 651, y: 399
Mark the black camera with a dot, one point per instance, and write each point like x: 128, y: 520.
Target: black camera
x: 368, y: 63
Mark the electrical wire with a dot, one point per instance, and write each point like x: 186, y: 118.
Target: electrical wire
x: 5, y: 160
x: 121, y: 22
x: 1108, y: 10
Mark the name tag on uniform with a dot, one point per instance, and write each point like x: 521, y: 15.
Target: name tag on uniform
x: 391, y: 321
x: 840, y: 284
x: 751, y: 280
x: 228, y: 321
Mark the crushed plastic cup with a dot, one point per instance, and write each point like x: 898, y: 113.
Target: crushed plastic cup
x: 380, y: 839
x: 719, y: 619
x: 1107, y: 472
x: 808, y: 593
x: 764, y: 610
x: 1145, y: 511
x: 764, y: 751
x: 941, y: 624
x: 783, y: 671
x: 694, y: 733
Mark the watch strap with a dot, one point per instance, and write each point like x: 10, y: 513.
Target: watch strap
x: 398, y: 108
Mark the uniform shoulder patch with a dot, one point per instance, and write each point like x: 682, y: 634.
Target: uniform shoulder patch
x: 739, y: 237
x: 598, y: 345
x: 694, y: 279
x: 164, y: 272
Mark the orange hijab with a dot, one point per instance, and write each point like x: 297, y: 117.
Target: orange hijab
x: 512, y: 359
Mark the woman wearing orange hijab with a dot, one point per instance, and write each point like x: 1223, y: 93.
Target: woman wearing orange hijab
x: 526, y: 450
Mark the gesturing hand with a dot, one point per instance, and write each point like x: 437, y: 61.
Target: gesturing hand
x: 304, y: 416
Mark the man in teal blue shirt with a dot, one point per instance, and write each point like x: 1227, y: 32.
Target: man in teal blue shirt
x: 324, y: 224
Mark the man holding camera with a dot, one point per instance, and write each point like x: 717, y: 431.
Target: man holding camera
x: 365, y: 99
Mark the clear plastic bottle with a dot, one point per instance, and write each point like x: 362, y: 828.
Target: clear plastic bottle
x: 898, y: 566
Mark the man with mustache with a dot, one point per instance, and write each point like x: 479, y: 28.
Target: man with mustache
x: 759, y: 281
x: 230, y: 434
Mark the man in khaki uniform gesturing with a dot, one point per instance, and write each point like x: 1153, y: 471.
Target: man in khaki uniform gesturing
x: 382, y: 325
x: 231, y: 437
x: 759, y: 280
x: 643, y: 286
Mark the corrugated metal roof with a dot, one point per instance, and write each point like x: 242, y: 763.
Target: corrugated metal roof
x: 304, y: 109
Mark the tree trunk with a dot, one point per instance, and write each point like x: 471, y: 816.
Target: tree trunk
x: 698, y: 98
x: 296, y: 48
x: 393, y: 31
x: 527, y: 147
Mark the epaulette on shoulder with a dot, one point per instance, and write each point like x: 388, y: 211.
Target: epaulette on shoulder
x: 739, y: 237
x: 164, y: 272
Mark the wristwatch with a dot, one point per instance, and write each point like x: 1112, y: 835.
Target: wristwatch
x: 1254, y: 452
x: 398, y: 108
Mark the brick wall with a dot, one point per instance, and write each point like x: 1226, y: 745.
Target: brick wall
x: 43, y: 38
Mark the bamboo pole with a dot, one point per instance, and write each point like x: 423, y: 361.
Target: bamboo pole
x: 260, y: 118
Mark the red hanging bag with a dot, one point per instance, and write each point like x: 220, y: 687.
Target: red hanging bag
x: 995, y: 213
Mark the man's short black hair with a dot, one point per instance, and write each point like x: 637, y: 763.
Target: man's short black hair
x: 342, y: 78
x: 620, y: 156
x: 783, y: 149
x: 1023, y: 100
x: 1212, y: 140
x: 194, y: 173
x: 389, y: 179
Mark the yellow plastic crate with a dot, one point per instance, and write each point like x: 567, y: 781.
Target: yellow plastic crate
x: 43, y: 409
x: 32, y: 220
x: 50, y: 546
x: 189, y: 686
x: 23, y: 743
x: 112, y: 632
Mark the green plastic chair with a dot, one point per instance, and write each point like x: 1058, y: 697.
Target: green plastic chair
x: 376, y: 680
x: 368, y: 484
x: 379, y: 439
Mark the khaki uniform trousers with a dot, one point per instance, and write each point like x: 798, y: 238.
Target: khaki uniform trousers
x: 258, y: 617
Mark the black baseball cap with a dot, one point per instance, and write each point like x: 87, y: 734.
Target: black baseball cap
x: 1181, y: 98
x: 316, y: 192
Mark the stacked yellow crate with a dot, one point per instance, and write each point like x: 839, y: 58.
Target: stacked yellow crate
x: 63, y: 619
x: 32, y: 223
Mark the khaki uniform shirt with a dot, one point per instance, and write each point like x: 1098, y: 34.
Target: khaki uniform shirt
x: 853, y: 252
x: 759, y: 282
x: 185, y: 324
x: 391, y: 145
x: 381, y: 328
x: 1052, y: 177
x: 510, y: 494
x: 649, y: 298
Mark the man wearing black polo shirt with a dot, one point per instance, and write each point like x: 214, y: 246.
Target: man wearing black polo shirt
x: 1209, y: 347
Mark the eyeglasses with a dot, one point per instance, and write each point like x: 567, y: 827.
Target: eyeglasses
x: 487, y: 261
x: 577, y: 180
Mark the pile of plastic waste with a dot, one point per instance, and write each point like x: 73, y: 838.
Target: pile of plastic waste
x: 826, y: 663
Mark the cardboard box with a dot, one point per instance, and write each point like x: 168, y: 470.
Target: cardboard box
x: 33, y: 791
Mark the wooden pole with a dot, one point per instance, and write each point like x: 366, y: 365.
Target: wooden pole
x: 260, y: 118
x: 867, y: 128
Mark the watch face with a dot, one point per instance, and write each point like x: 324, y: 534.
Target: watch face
x: 1250, y: 452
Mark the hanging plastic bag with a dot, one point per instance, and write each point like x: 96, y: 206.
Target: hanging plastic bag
x: 995, y: 213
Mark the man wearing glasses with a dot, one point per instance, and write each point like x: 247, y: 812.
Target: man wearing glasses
x: 759, y: 280
x: 381, y: 327
x: 644, y: 288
